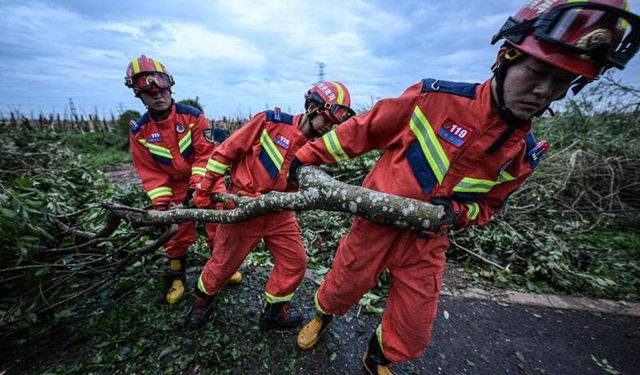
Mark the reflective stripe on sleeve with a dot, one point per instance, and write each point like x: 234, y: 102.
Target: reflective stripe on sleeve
x: 473, y: 209
x: 198, y: 171
x: 217, y: 167
x: 334, y: 147
x: 162, y: 191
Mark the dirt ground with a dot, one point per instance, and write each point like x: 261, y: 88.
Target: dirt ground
x: 472, y: 337
x: 121, y: 174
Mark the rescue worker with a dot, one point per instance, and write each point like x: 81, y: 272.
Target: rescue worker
x: 170, y: 152
x: 464, y: 146
x: 257, y: 156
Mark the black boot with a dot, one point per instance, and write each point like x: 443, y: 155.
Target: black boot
x: 374, y: 361
x: 202, y: 306
x: 279, y: 315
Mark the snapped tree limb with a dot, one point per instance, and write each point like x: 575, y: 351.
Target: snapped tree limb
x: 318, y: 191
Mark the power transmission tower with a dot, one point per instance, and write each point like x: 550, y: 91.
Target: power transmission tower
x: 72, y: 109
x: 321, y: 66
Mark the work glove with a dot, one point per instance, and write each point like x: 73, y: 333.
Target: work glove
x: 447, y: 222
x: 203, y: 190
x: 292, y: 176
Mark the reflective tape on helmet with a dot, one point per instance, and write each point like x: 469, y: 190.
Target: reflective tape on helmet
x: 334, y: 147
x: 340, y: 99
x: 162, y: 191
x: 473, y: 209
x: 136, y: 66
x: 430, y: 145
x: 217, y: 167
x: 157, y: 64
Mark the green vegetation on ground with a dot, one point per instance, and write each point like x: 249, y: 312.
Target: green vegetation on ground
x: 573, y: 228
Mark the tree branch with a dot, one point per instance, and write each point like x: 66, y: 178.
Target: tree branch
x: 318, y: 191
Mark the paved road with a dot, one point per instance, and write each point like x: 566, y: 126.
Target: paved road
x: 473, y: 337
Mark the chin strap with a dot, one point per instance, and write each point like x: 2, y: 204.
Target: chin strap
x: 506, y: 57
x: 311, y: 114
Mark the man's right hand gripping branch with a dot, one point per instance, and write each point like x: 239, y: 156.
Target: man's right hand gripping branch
x: 202, y: 195
x: 206, y: 187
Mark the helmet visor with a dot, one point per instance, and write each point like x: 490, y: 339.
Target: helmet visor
x: 146, y: 80
x: 593, y: 31
x: 340, y: 113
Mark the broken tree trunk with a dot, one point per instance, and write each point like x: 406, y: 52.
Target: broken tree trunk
x: 318, y: 191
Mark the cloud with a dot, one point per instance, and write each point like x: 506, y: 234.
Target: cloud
x: 195, y: 42
x: 237, y: 56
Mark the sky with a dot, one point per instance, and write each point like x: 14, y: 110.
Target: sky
x: 240, y: 57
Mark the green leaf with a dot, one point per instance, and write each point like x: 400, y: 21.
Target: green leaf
x: 9, y: 214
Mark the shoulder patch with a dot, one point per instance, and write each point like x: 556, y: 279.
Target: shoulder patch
x: 279, y: 117
x: 137, y: 125
x: 534, y: 150
x: 468, y: 90
x: 187, y: 109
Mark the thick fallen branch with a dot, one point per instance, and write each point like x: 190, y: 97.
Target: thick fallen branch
x: 318, y: 191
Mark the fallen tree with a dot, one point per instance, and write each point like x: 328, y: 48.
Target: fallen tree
x: 318, y: 191
x: 102, y: 255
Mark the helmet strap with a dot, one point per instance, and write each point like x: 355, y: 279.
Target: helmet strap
x: 311, y: 114
x: 506, y: 57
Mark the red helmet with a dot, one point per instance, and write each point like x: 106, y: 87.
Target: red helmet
x: 143, y: 73
x: 582, y: 37
x: 334, y: 97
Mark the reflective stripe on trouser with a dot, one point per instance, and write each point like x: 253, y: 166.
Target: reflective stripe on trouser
x: 235, y: 241
x: 415, y: 266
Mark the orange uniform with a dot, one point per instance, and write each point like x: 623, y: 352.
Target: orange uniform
x: 435, y: 139
x: 171, y: 156
x: 258, y: 156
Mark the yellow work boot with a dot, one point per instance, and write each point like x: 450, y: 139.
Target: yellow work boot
x: 236, y: 278
x: 176, y: 291
x: 374, y: 362
x: 177, y: 278
x: 310, y: 333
